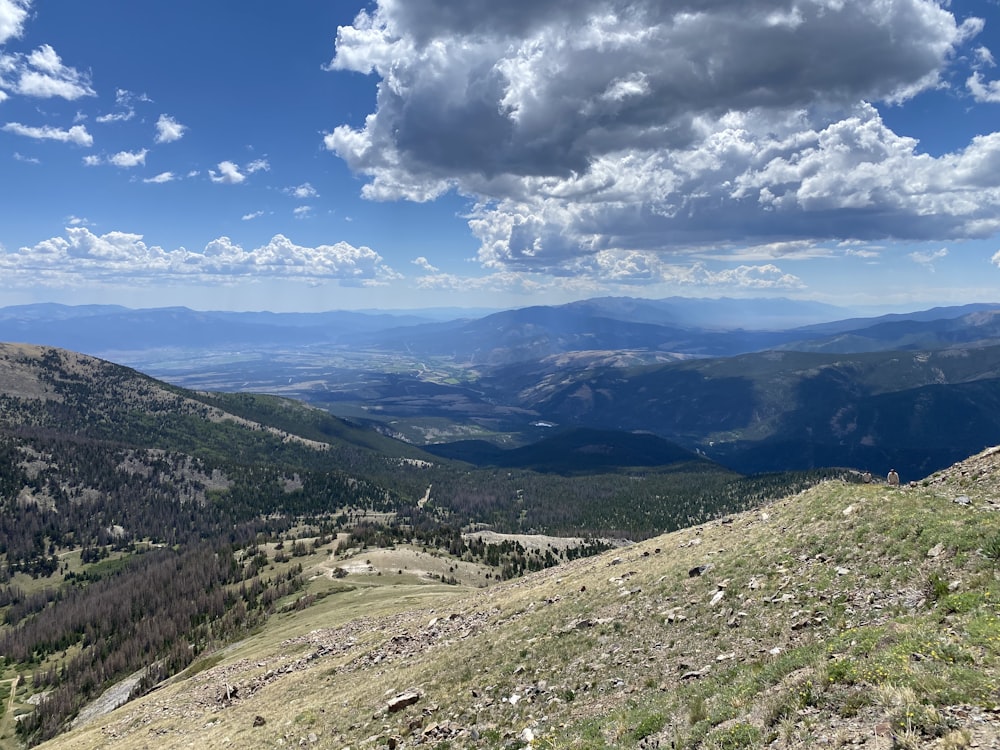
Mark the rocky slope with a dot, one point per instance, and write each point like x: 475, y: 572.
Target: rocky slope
x: 849, y: 615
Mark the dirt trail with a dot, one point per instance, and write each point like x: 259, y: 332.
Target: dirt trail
x: 7, y: 722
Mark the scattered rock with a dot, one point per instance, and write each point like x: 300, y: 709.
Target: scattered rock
x: 695, y: 674
x: 699, y: 570
x: 259, y: 721
x: 936, y: 550
x: 402, y: 700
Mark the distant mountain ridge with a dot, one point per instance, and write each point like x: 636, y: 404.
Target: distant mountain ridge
x: 677, y: 326
x: 911, y: 390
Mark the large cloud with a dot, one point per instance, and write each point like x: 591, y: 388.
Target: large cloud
x: 12, y: 16
x: 631, y: 125
x: 116, y: 257
x: 43, y: 75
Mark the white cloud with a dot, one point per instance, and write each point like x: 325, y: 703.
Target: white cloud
x: 161, y: 178
x: 26, y: 159
x: 125, y: 102
x: 864, y: 253
x: 129, y: 159
x: 84, y: 258
x: 42, y: 74
x: 302, y: 212
x: 229, y: 174
x: 12, y: 16
x: 252, y: 216
x: 302, y: 192
x: 116, y: 116
x: 77, y: 134
x: 424, y: 264
x: 927, y: 258
x: 91, y: 160
x: 168, y: 129
x: 982, y: 90
x: 591, y: 127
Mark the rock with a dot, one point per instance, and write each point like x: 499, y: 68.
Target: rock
x: 674, y: 615
x: 936, y: 550
x: 402, y: 700
x: 259, y: 721
x: 963, y: 500
x: 695, y: 674
x: 717, y: 598
x: 699, y: 570
x: 527, y: 735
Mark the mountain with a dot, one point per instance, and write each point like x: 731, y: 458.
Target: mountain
x: 182, y: 339
x: 101, y: 329
x: 933, y: 329
x: 917, y: 411
x: 900, y: 390
x: 846, y: 615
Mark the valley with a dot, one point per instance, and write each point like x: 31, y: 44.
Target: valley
x: 506, y: 547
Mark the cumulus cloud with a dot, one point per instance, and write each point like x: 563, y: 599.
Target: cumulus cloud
x: 168, y: 129
x: 302, y: 192
x: 983, y: 90
x: 12, y: 16
x: 77, y: 134
x: 82, y: 257
x: 597, y: 126
x: 41, y: 74
x: 253, y: 215
x: 424, y: 264
x: 128, y: 159
x: 229, y: 174
x: 161, y: 178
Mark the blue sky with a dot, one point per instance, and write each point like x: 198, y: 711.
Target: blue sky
x: 321, y: 155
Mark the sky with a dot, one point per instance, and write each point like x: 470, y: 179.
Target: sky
x: 330, y: 154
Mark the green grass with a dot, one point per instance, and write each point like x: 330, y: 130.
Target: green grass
x: 587, y: 648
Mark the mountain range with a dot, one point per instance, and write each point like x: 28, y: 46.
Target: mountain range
x: 757, y: 386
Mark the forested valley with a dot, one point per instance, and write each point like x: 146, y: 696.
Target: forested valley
x: 142, y: 525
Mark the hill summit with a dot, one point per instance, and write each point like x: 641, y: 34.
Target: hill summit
x: 849, y: 615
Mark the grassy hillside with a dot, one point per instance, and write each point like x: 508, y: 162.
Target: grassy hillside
x: 846, y: 615
x: 144, y: 526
